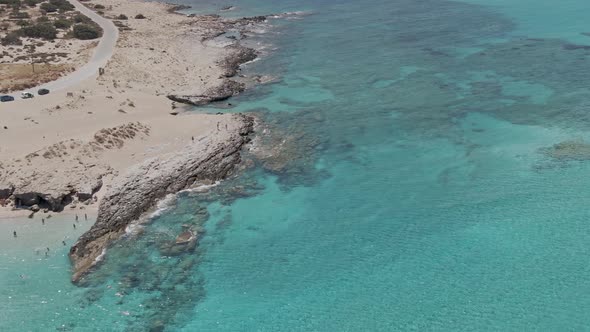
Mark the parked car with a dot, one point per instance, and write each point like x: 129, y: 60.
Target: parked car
x: 27, y: 95
x: 42, y: 92
x: 6, y: 98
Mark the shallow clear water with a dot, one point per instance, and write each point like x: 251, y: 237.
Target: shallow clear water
x: 422, y: 199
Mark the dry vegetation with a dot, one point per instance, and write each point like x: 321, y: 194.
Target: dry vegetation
x: 21, y: 76
x: 49, y: 34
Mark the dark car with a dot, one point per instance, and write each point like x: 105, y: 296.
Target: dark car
x: 42, y: 92
x: 6, y: 98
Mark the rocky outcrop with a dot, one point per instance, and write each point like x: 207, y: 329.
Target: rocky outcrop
x: 224, y: 91
x: 228, y: 88
x: 64, y: 172
x: 6, y: 190
x: 239, y: 55
x: 136, y: 192
x: 54, y: 193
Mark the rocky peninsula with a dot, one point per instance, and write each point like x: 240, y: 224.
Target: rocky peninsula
x: 135, y: 192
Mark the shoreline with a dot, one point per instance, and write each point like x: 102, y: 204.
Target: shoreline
x: 127, y: 81
x: 127, y: 133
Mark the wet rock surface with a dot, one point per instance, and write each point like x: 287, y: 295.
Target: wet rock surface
x: 144, y: 185
x: 224, y: 91
x: 238, y: 56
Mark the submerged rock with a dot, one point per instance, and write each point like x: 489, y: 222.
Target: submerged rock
x: 568, y: 150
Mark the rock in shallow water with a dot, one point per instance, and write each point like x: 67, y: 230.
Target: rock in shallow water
x: 224, y: 91
x: 136, y: 192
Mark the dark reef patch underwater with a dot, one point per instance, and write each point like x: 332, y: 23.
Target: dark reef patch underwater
x: 429, y: 171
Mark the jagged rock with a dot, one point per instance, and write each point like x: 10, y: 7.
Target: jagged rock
x: 54, y: 199
x: 237, y: 57
x: 224, y: 91
x: 6, y: 190
x: 137, y: 191
x: 87, y: 190
x: 53, y: 185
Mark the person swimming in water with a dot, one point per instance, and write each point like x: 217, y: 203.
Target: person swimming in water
x: 14, y: 233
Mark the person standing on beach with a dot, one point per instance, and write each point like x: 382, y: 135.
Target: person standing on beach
x: 85, y: 216
x: 76, y: 217
x: 14, y: 233
x: 42, y: 221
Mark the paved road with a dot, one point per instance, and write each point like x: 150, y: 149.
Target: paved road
x: 100, y: 57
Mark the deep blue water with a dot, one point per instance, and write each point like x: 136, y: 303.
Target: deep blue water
x: 423, y: 193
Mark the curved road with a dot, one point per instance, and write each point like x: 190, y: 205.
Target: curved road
x: 100, y: 57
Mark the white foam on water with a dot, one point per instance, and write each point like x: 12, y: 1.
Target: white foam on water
x: 101, y: 256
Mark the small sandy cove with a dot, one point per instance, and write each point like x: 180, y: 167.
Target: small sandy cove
x: 99, y: 128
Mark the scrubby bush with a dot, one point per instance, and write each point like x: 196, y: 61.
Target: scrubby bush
x: 41, y: 30
x: 9, y: 2
x: 62, y: 5
x: 86, y: 31
x: 17, y: 15
x: 43, y: 19
x: 62, y: 23
x: 23, y: 23
x: 98, y: 6
x: 32, y: 3
x: 11, y: 39
x: 48, y: 7
x: 122, y: 17
x: 79, y: 18
x: 139, y: 16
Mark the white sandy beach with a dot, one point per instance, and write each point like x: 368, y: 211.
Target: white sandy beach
x: 98, y: 128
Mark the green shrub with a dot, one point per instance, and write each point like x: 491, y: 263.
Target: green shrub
x: 32, y: 3
x: 99, y: 6
x: 43, y: 19
x: 11, y: 39
x: 139, y: 16
x: 21, y: 15
x: 9, y: 2
x: 41, y: 30
x: 49, y: 8
x: 79, y: 18
x: 86, y: 31
x: 23, y: 23
x: 62, y: 5
x: 62, y: 23
x: 122, y: 17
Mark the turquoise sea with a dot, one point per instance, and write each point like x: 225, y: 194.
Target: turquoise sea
x: 425, y: 192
